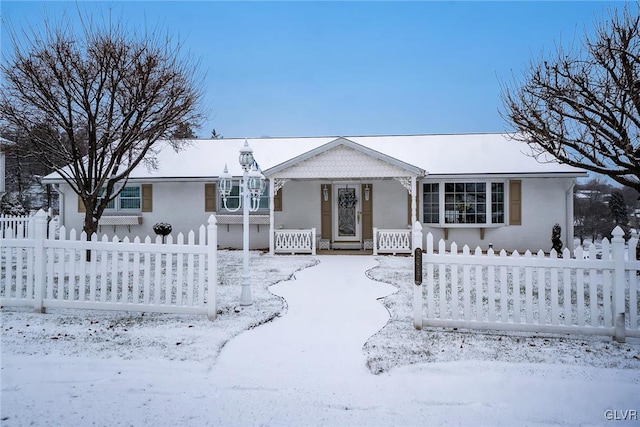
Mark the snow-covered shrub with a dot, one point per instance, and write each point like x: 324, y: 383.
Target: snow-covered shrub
x: 162, y: 229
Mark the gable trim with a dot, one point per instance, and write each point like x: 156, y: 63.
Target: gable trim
x: 411, y: 169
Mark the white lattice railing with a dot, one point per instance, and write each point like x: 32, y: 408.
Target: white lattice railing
x: 295, y: 241
x: 391, y: 241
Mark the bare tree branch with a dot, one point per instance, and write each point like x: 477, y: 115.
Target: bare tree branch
x: 583, y: 107
x: 106, y: 95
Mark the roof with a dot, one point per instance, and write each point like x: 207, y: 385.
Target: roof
x: 468, y: 154
x: 4, y: 141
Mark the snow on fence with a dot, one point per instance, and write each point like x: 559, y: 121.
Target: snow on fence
x: 18, y: 227
x: 583, y: 295
x: 171, y: 277
x: 295, y: 241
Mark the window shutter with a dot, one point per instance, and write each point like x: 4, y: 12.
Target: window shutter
x: 81, y: 207
x: 515, y: 202
x: 147, y: 198
x: 277, y: 201
x: 210, y: 197
x: 325, y: 212
x: 367, y: 212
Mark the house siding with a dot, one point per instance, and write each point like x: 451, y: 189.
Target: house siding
x: 301, y: 205
x: 182, y: 204
x: 390, y: 204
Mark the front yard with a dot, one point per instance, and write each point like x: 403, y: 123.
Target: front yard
x: 103, y: 334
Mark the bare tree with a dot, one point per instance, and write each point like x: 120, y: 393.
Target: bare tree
x: 583, y: 106
x: 107, y: 96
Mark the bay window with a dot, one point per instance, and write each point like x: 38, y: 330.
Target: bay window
x: 464, y: 203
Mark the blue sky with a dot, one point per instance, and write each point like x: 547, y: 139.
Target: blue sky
x: 348, y: 68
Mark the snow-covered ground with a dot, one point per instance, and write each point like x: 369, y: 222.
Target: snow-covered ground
x: 313, y: 365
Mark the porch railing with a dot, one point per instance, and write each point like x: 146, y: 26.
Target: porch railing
x: 391, y: 241
x: 295, y: 241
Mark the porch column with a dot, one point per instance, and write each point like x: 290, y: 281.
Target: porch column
x: 413, y: 192
x: 272, y: 184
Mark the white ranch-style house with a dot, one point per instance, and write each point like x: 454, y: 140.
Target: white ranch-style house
x: 475, y: 189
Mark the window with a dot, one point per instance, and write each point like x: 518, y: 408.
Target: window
x: 233, y: 199
x: 129, y: 199
x: 497, y: 203
x: 479, y: 203
x: 465, y: 203
x: 431, y: 203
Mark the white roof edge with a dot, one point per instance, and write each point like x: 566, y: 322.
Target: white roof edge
x: 567, y: 174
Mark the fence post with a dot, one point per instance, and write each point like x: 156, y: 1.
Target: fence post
x: 212, y: 267
x: 617, y: 242
x: 416, y: 236
x: 313, y: 241
x: 417, y: 289
x: 39, y: 262
x: 375, y: 241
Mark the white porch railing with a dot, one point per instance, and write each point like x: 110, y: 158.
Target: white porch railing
x: 391, y: 241
x: 295, y: 241
x: 532, y: 293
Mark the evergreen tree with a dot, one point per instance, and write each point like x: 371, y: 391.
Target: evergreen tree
x: 618, y: 208
x: 183, y: 131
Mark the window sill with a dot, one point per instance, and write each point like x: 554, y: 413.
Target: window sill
x: 116, y: 220
x: 120, y: 220
x: 463, y: 225
x: 481, y: 227
x: 237, y: 219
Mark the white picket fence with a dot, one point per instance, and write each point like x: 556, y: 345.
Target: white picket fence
x: 582, y: 295
x: 295, y: 241
x: 151, y: 276
x: 15, y: 226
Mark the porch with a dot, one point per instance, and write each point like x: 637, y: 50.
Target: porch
x: 342, y: 196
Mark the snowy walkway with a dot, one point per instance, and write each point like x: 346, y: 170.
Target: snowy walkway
x: 333, y: 310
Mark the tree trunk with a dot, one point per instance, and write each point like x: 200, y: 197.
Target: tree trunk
x: 90, y: 225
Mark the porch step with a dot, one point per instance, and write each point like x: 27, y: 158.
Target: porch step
x: 346, y: 245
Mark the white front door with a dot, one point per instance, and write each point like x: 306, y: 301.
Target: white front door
x: 347, y: 212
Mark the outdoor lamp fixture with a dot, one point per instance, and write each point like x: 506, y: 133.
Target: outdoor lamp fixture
x: 251, y: 188
x: 325, y: 192
x: 366, y: 192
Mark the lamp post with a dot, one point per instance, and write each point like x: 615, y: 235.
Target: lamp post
x: 251, y: 188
